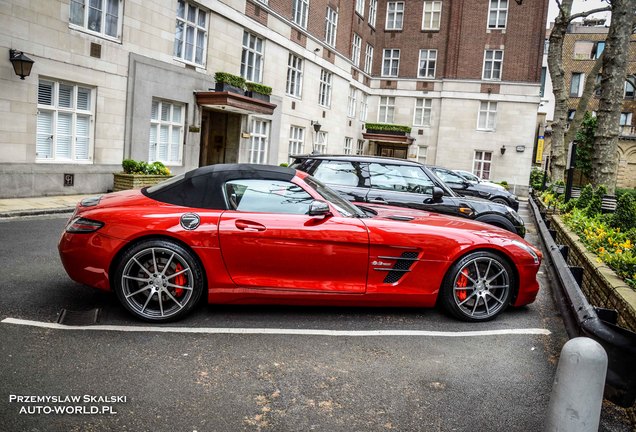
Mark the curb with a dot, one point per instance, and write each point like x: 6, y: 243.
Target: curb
x: 35, y: 212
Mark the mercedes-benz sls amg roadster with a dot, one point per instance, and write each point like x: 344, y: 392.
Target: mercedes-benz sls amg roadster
x: 264, y: 234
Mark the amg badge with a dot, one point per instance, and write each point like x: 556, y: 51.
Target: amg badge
x: 190, y: 221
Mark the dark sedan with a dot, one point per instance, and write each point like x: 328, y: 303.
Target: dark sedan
x: 403, y: 183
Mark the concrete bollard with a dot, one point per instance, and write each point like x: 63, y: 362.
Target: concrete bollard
x: 577, y: 392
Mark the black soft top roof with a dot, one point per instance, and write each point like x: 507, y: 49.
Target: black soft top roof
x: 203, y: 187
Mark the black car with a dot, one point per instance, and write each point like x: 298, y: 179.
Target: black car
x: 403, y: 183
x: 463, y: 187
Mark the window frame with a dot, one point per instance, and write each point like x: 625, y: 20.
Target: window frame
x: 331, y: 26
x: 395, y: 16
x: 360, y: 7
x: 352, y: 101
x: 252, y: 57
x: 296, y: 140
x: 391, y: 60
x: 84, y: 27
x: 427, y: 61
x: 356, y: 48
x: 479, y: 164
x: 198, y: 29
x: 300, y: 13
x: 579, y: 86
x: 386, y: 109
x: 322, y: 141
x: 54, y: 110
x: 294, y: 83
x: 493, y: 62
x: 497, y: 11
x: 373, y: 12
x: 348, y: 146
x: 364, y: 106
x: 432, y: 23
x: 257, y: 153
x: 324, y: 90
x: 158, y: 123
x: 490, y: 111
x: 426, y: 111
x: 368, y: 59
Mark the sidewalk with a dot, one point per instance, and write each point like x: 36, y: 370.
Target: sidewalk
x: 15, y: 207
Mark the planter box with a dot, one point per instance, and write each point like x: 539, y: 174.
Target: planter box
x: 386, y: 132
x: 225, y: 87
x: 601, y: 286
x: 123, y: 181
x: 257, y: 95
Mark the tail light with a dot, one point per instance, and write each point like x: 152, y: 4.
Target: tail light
x: 83, y: 225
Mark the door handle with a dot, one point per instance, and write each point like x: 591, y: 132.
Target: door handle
x: 249, y: 226
x: 379, y: 199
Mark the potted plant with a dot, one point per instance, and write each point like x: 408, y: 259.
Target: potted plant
x: 229, y: 83
x: 258, y: 91
x: 387, y: 129
x: 138, y: 174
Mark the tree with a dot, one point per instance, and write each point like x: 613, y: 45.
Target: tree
x: 585, y: 144
x: 555, y: 66
x: 604, y: 161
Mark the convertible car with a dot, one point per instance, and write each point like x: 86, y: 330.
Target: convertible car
x: 263, y: 234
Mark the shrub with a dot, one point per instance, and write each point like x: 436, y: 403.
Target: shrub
x: 258, y: 88
x: 387, y: 127
x: 227, y: 78
x: 536, y: 178
x: 625, y: 215
x: 594, y: 206
x: 131, y: 166
x: 586, y: 196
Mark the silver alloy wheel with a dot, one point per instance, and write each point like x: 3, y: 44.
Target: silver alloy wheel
x: 157, y: 283
x: 481, y: 288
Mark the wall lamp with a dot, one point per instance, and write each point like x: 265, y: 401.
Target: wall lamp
x: 316, y: 126
x: 502, y: 149
x: 21, y: 64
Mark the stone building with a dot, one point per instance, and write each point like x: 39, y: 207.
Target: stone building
x: 117, y: 79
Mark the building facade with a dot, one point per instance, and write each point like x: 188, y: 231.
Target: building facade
x: 118, y: 79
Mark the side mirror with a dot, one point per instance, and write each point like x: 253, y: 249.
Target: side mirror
x: 438, y: 194
x: 319, y: 208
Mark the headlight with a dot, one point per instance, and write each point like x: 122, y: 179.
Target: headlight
x: 528, y: 249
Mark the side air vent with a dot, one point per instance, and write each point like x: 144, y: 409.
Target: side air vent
x: 402, y: 265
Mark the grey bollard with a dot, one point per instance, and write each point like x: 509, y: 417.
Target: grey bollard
x: 577, y: 392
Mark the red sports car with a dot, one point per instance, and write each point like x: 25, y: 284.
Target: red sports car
x: 264, y: 234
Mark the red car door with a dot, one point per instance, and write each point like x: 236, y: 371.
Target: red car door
x: 277, y: 248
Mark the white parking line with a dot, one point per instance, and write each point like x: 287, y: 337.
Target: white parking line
x: 276, y: 331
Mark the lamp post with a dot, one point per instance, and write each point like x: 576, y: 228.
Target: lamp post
x: 317, y: 127
x: 21, y: 64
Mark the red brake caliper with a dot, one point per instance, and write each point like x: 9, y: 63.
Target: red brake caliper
x: 462, y: 282
x: 179, y: 280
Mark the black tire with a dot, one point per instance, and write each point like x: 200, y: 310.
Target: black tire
x: 478, y: 287
x: 500, y: 200
x: 158, y: 280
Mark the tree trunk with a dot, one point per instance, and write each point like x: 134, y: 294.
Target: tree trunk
x: 581, y: 108
x: 555, y: 66
x: 604, y: 159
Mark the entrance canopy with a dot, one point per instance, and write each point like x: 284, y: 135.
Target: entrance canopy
x: 233, y: 102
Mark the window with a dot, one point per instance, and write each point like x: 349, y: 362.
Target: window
x: 351, y: 107
x: 348, y: 145
x: 391, y: 62
x: 337, y: 172
x: 300, y: 10
x: 360, y: 147
x: 422, y: 152
x: 331, y: 25
x: 364, y: 107
x: 428, y: 59
x: 481, y: 164
x: 493, y: 60
x: 296, y: 140
x: 321, y: 142
x: 64, y: 122
x: 294, y: 76
x: 271, y: 196
x: 259, y: 140
x: 626, y: 119
x: 401, y: 178
x: 373, y: 10
x: 368, y: 59
x: 598, y: 49
x: 97, y: 16
x: 497, y: 14
x: 387, y: 107
x: 252, y: 58
x: 324, y: 95
x: 544, y: 73
x: 630, y: 84
x: 571, y: 114
x: 360, y: 7
x: 576, y: 84
x: 422, y: 112
x: 394, y: 15
x: 356, y: 46
x: 597, y: 85
x: 190, y: 38
x: 487, y: 114
x: 432, y: 15
x: 166, y: 132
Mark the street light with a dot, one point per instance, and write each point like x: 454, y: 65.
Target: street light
x: 21, y: 64
x: 317, y: 127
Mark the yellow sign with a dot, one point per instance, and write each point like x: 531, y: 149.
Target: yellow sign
x: 540, y: 143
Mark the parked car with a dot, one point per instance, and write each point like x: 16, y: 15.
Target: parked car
x: 464, y: 187
x: 263, y: 234
x: 400, y: 182
x: 467, y: 175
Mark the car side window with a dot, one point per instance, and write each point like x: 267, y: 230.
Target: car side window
x: 401, y: 178
x: 342, y: 173
x: 267, y: 196
x: 449, y: 177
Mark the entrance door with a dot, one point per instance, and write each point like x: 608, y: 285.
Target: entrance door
x: 391, y: 151
x: 219, y: 137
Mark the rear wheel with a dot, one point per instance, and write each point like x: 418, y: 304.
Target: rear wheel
x: 501, y: 201
x: 158, y: 280
x: 478, y: 287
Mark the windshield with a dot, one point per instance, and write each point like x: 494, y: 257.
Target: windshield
x: 344, y: 207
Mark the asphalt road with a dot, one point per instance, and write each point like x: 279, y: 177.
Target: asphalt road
x: 260, y: 381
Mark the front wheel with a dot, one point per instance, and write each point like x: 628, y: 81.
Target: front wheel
x: 478, y: 287
x: 158, y: 280
x: 501, y: 201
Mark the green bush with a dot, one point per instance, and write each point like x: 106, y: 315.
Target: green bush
x: 622, y: 191
x: 259, y: 88
x: 594, y: 206
x: 131, y: 166
x: 227, y: 78
x: 536, y: 178
x: 625, y: 215
x: 586, y: 196
x: 387, y: 127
